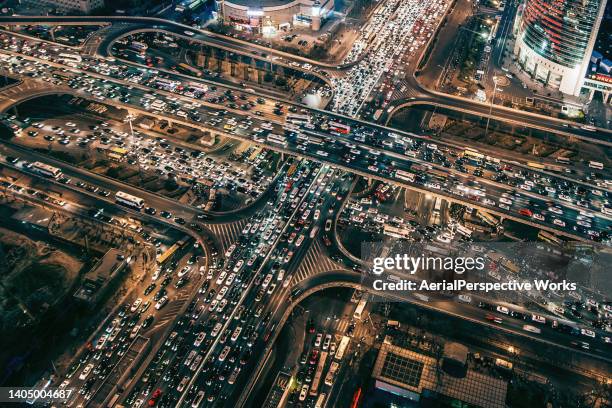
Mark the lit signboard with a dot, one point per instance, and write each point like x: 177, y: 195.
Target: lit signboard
x: 255, y: 13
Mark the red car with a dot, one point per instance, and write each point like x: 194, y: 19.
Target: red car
x: 493, y: 318
x: 314, y: 356
x: 156, y: 394
x: 525, y: 212
x: 326, y: 240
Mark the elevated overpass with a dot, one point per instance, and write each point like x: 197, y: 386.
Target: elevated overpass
x: 421, y: 95
x: 40, y: 91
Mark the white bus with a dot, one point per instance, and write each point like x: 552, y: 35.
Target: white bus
x: 331, y: 374
x: 606, y: 210
x: 314, y: 387
x: 46, y: 170
x: 71, y: 57
x: 277, y: 139
x: 342, y: 347
x: 298, y: 119
x: 320, y: 400
x: 360, y: 308
x: 129, y: 200
x: 404, y: 175
x: 596, y: 165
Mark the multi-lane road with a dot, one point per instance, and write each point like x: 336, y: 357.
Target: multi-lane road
x: 231, y: 321
x: 379, y: 152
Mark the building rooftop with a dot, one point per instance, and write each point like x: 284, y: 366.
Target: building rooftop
x: 405, y: 369
x: 260, y: 4
x: 98, y: 277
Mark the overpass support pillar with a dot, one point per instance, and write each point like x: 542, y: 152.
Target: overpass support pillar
x: 247, y: 73
x: 370, y: 182
x: 232, y: 68
x: 260, y: 76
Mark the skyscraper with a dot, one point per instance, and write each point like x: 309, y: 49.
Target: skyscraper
x: 555, y: 38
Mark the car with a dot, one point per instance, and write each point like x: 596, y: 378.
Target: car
x: 327, y: 341
x: 587, y: 332
x: 136, y: 305
x: 184, y: 271
x: 86, y: 371
x: 304, y: 392
x: 328, y: 225
x: 503, y: 309
x: 318, y: 339
x: 161, y: 302
x: 493, y: 318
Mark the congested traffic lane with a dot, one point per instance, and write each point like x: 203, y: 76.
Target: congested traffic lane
x: 382, y: 138
x: 243, y: 263
x: 370, y: 169
x: 424, y: 96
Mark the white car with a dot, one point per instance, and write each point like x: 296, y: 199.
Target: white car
x: 559, y: 222
x: 304, y: 392
x: 86, y: 371
x: 161, y: 302
x: 587, y: 332
x: 327, y: 341
x: 184, y: 271
x: 135, y: 305
x: 318, y: 340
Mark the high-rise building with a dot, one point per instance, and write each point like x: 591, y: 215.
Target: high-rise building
x: 555, y: 38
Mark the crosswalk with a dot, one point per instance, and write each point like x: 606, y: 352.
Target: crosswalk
x: 315, y: 261
x: 340, y: 327
x: 172, y: 309
x: 228, y: 233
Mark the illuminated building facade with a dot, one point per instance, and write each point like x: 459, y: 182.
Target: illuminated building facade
x: 268, y: 16
x: 555, y: 39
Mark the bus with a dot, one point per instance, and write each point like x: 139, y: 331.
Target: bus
x: 138, y: 46
x: 129, y: 200
x: 473, y: 155
x: 606, y: 210
x: 563, y: 160
x: 360, y: 308
x: 189, y: 69
x: 340, y: 128
x: 298, y: 119
x: 167, y: 254
x: 320, y: 400
x: 545, y: 166
x: 165, y: 83
x: 588, y: 128
x: 202, y: 88
x: 404, y: 175
x: 331, y: 374
x: 314, y: 387
x: 277, y: 139
x: 463, y: 230
x: 596, y: 165
x: 315, y: 140
x: 46, y: 170
x: 342, y: 348
x: 292, y: 170
x: 550, y: 238
x: 488, y: 218
x: 71, y: 57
